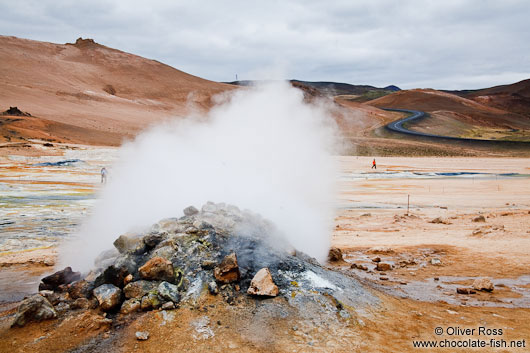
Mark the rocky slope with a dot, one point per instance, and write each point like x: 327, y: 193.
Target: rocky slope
x: 218, y: 264
x: 101, y: 93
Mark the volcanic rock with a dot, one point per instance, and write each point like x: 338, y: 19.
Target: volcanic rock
x: 127, y: 242
x: 436, y: 261
x: 168, y: 306
x: 115, y: 274
x: 262, y: 284
x: 138, y: 289
x: 34, y: 308
x: 376, y: 259
x: 228, y: 270
x: 439, y: 220
x: 359, y: 266
x: 142, y: 335
x: 212, y: 288
x: 130, y: 305
x: 383, y: 266
x: 53, y: 297
x: 483, y: 284
x: 335, y: 254
x: 128, y: 279
x: 151, y: 240
x: 108, y: 296
x: 190, y: 211
x: 150, y: 301
x: 80, y: 303
x: 479, y: 219
x: 158, y: 269
x: 169, y: 291
x: 14, y: 111
x: 465, y: 291
x: 80, y: 289
x: 53, y: 281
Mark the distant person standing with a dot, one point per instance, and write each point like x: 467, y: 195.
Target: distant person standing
x: 374, y: 166
x: 104, y: 175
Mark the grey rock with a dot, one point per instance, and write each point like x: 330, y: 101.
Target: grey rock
x: 209, y: 207
x: 142, y: 335
x: 213, y: 288
x: 127, y: 242
x: 108, y: 296
x: 53, y: 281
x: 151, y: 240
x: 168, y: 306
x: 80, y: 303
x: 479, y: 219
x: 169, y: 291
x: 166, y: 252
x: 190, y: 211
x: 139, y: 288
x: 130, y: 305
x: 34, y: 308
x: 150, y: 301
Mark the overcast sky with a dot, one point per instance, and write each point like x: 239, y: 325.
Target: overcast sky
x: 440, y: 44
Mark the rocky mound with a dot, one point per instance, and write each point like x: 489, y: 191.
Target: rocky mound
x: 219, y: 253
x: 14, y: 111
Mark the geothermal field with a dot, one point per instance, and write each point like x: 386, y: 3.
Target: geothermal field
x: 145, y: 209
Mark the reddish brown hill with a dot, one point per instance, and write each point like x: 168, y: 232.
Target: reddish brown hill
x: 106, y: 93
x: 514, y: 98
x: 451, y: 106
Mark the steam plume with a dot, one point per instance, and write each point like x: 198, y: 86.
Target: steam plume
x: 262, y: 149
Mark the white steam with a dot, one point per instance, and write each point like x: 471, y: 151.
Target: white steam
x: 263, y: 149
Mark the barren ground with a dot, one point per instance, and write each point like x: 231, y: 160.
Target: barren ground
x: 417, y: 295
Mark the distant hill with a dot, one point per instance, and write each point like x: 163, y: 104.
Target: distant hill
x: 514, y: 98
x: 454, y: 115
x: 355, y: 93
x: 104, y: 93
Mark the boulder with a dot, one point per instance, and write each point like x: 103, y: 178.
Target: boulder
x: 34, y: 308
x: 228, y: 270
x: 169, y: 292
x: 53, y: 281
x: 158, y: 268
x: 108, y: 296
x: 376, y: 259
x: 190, y: 211
x: 383, y: 266
x: 335, y: 254
x: 262, y: 284
x: 483, y: 284
x: 130, y: 305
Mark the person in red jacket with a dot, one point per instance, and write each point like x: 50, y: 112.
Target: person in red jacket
x: 374, y: 166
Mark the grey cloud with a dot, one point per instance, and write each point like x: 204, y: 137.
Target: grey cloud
x: 450, y: 44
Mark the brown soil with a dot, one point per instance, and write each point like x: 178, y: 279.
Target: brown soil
x: 90, y: 93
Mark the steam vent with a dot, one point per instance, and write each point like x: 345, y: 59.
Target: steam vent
x: 219, y: 277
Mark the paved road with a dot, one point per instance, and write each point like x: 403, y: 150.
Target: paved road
x: 397, y: 126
